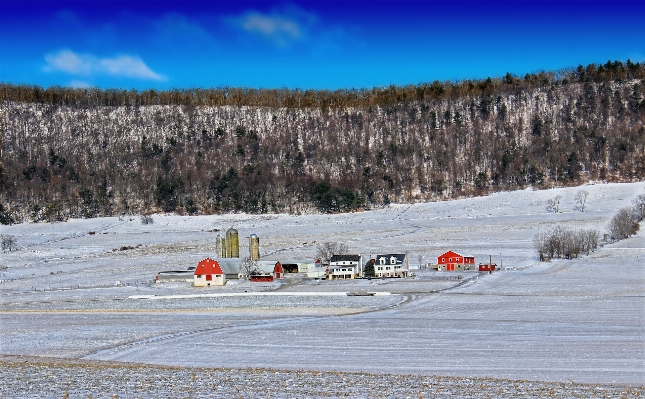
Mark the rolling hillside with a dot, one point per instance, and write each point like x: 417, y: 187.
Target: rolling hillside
x: 88, y: 153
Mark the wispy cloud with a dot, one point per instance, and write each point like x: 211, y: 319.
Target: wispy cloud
x: 87, y: 65
x: 79, y: 84
x: 182, y: 27
x: 281, y: 27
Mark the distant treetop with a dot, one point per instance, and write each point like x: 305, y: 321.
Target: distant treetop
x: 297, y: 98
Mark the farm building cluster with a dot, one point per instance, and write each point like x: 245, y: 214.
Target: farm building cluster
x: 229, y: 266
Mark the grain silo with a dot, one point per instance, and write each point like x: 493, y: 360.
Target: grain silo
x: 232, y: 244
x: 254, y: 247
x: 220, y: 246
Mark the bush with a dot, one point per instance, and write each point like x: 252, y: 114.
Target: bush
x: 639, y: 206
x: 5, y: 216
x: 563, y: 243
x: 146, y: 219
x: 8, y: 242
x: 624, y: 224
x: 369, y: 269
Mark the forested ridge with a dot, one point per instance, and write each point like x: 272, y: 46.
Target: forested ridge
x: 90, y: 152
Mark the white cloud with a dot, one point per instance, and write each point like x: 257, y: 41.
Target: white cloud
x: 125, y: 65
x: 89, y: 65
x: 271, y: 26
x: 67, y: 61
x: 178, y: 26
x: 281, y: 27
x: 79, y: 84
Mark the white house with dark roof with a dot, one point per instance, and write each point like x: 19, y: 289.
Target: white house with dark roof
x: 344, y: 267
x: 391, y: 265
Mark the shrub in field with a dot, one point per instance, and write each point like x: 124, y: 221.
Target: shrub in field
x: 564, y: 243
x: 8, y: 242
x: 624, y: 224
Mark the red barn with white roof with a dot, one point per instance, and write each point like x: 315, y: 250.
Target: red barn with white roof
x: 452, y: 261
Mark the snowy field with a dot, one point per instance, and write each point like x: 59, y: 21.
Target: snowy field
x: 65, y: 294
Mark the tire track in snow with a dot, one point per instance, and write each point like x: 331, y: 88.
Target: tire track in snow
x: 120, y: 348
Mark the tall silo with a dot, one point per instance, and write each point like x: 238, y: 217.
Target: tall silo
x: 254, y: 247
x: 232, y: 244
x: 220, y: 246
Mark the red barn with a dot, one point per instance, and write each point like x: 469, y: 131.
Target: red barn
x: 277, y: 270
x: 452, y: 261
x: 487, y: 267
x: 208, y: 272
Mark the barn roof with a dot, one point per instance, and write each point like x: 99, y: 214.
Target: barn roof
x: 267, y: 266
x: 400, y: 258
x: 345, y: 258
x: 230, y: 266
x: 456, y: 253
x: 208, y: 266
x: 297, y: 261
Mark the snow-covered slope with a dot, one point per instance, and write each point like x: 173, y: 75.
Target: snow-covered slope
x: 579, y: 319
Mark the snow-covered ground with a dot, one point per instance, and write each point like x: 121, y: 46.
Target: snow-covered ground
x: 65, y: 293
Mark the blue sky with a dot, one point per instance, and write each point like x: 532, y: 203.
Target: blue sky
x: 306, y: 44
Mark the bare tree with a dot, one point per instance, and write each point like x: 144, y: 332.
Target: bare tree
x: 624, y: 224
x: 553, y: 204
x: 581, y: 199
x: 541, y: 245
x: 326, y: 250
x: 591, y: 240
x: 249, y: 267
x: 564, y: 243
x: 639, y: 206
x: 8, y: 243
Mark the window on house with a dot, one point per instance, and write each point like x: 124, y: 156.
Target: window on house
x: 382, y: 260
x: 393, y: 260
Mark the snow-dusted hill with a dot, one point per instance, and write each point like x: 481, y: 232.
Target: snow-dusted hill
x: 581, y: 319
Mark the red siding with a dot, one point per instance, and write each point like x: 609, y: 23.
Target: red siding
x: 277, y: 270
x: 487, y: 267
x: 451, y: 258
x: 261, y: 279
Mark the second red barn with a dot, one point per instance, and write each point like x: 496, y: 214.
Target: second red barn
x: 452, y: 261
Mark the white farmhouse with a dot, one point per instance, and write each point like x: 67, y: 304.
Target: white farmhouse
x: 343, y: 267
x: 392, y: 265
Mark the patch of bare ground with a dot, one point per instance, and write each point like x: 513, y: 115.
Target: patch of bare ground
x: 38, y: 377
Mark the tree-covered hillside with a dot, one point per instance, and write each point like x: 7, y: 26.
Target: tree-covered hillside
x: 89, y: 152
